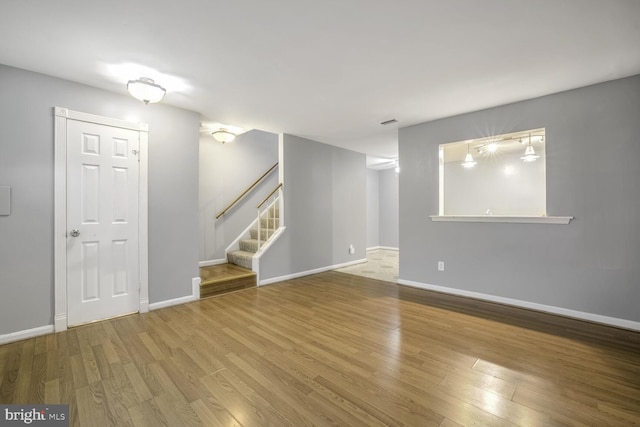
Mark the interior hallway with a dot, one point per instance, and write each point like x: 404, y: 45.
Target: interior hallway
x: 382, y: 264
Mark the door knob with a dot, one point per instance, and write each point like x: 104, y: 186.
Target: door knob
x: 75, y: 232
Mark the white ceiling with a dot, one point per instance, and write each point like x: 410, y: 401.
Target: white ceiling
x: 328, y: 70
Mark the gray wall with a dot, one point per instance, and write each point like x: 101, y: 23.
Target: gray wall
x: 325, y: 208
x: 389, y: 210
x: 373, y: 208
x: 593, y: 173
x: 226, y: 170
x: 26, y: 164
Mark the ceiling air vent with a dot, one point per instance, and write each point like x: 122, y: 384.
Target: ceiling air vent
x: 388, y: 122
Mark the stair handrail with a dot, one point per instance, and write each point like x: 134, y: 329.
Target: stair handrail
x: 245, y: 192
x: 270, y: 194
x: 269, y: 219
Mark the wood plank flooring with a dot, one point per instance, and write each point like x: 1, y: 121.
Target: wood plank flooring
x: 332, y: 349
x: 225, y: 278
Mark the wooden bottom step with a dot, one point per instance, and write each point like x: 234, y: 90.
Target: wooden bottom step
x: 224, y: 278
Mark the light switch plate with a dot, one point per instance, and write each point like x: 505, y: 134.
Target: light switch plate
x: 5, y: 200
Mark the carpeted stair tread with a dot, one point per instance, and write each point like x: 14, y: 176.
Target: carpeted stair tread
x: 249, y: 245
x: 241, y: 258
x: 269, y: 224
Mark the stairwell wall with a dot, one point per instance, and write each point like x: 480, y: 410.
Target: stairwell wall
x: 325, y: 209
x: 226, y: 170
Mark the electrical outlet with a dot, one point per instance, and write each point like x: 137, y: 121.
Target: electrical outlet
x: 352, y: 250
x: 440, y: 265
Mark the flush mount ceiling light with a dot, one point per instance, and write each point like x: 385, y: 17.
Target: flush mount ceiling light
x: 222, y: 135
x: 146, y: 90
x: 468, y: 160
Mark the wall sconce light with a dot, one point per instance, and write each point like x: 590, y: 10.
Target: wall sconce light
x: 222, y: 135
x: 146, y: 90
x: 468, y: 160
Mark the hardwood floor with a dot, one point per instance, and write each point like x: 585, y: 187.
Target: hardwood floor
x: 225, y: 278
x: 332, y: 349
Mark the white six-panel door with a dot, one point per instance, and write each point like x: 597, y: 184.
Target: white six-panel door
x: 102, y: 221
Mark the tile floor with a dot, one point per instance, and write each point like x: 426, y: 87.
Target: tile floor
x: 382, y: 264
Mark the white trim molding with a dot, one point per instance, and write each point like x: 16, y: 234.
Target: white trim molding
x: 195, y: 287
x: 211, y: 262
x: 566, y: 312
x: 92, y: 118
x: 27, y: 333
x: 386, y: 248
x: 143, y: 219
x: 144, y: 305
x: 60, y: 208
x: 195, y: 295
x: 309, y: 272
x: 503, y: 218
x: 60, y: 322
x: 172, y: 302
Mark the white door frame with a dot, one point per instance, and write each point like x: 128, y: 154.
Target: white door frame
x: 60, y: 318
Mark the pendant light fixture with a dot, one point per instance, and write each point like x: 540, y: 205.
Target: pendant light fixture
x: 468, y: 159
x: 222, y: 135
x: 529, y: 153
x: 146, y: 90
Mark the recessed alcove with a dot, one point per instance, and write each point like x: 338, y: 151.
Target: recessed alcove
x: 500, y: 178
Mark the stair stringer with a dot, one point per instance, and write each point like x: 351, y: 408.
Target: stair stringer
x: 255, y: 262
x: 246, y: 234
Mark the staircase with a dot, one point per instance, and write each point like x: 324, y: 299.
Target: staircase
x: 243, y: 254
x: 237, y: 274
x: 225, y: 278
x: 269, y: 223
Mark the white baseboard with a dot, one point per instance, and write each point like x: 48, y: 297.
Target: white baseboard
x: 309, y: 272
x: 195, y: 295
x: 591, y: 317
x: 388, y: 248
x: 348, y: 264
x: 211, y: 262
x: 171, y: 302
x: 195, y: 287
x: 60, y: 322
x: 144, y: 305
x: 28, y: 333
